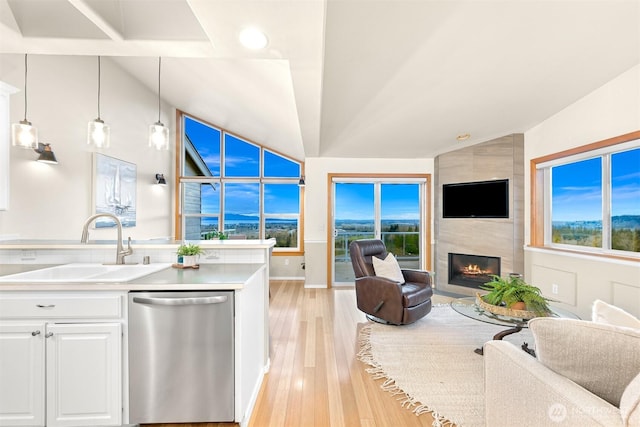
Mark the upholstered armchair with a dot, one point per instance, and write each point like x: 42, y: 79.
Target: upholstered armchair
x: 585, y: 373
x: 397, y: 302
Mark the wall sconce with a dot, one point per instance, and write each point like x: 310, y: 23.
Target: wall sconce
x: 98, y: 132
x: 23, y: 134
x: 46, y: 155
x: 160, y: 179
x: 158, y: 132
x: 301, y: 182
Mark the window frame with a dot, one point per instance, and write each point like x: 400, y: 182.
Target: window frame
x: 540, y: 182
x: 180, y: 179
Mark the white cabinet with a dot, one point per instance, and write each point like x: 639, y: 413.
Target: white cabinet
x: 84, y: 374
x: 22, y: 374
x: 65, y: 368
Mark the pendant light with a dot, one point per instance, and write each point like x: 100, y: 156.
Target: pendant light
x: 23, y: 134
x: 158, y: 132
x: 98, y: 132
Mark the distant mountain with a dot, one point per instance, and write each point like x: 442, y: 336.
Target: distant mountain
x: 626, y: 221
x: 617, y: 222
x: 384, y: 221
x: 240, y: 217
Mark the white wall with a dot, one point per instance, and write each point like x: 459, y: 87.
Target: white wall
x: 317, y: 170
x: 611, y: 110
x: 52, y: 201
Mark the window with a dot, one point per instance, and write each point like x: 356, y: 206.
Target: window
x: 625, y: 200
x: 576, y: 203
x: 588, y: 199
x: 230, y: 184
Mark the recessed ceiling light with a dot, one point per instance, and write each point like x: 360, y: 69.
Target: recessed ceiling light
x: 253, y: 38
x: 463, y: 137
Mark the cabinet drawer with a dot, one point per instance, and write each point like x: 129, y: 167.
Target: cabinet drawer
x: 45, y: 305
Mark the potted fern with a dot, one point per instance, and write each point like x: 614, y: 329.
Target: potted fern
x: 514, y: 294
x: 189, y: 253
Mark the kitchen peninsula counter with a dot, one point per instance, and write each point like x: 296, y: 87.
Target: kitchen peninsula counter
x: 207, y: 277
x: 241, y: 266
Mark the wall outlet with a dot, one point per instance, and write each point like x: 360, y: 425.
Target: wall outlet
x: 286, y: 261
x: 28, y: 255
x: 212, y: 254
x: 554, y: 289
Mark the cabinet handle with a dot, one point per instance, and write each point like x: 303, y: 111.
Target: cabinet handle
x: 48, y: 335
x: 34, y: 333
x: 45, y: 306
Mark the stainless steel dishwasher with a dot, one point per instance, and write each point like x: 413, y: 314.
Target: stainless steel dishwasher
x: 181, y: 357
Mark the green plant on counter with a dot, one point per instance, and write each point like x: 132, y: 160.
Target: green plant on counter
x: 215, y: 234
x: 513, y: 292
x: 189, y: 249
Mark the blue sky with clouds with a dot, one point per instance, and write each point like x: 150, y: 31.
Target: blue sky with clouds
x: 577, y: 188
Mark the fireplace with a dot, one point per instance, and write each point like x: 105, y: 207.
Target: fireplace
x: 472, y: 270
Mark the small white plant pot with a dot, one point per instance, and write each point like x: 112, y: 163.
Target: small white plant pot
x: 189, y: 260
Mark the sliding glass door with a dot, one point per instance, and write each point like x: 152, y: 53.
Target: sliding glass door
x: 400, y: 223
x: 354, y: 218
x: 387, y: 209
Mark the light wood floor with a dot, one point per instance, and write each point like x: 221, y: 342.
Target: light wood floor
x: 315, y: 378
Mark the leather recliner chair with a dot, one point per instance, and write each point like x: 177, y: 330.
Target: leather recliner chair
x: 383, y: 299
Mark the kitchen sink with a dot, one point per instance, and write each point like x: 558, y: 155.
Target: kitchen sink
x: 85, y: 272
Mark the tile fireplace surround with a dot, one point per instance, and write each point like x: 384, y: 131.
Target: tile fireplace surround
x: 501, y: 158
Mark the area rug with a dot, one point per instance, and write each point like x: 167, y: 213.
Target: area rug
x: 431, y: 364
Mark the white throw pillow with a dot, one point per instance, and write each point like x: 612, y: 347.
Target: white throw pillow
x: 601, y: 358
x: 388, y: 268
x: 611, y: 315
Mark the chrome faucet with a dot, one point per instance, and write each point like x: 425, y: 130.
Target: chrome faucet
x: 121, y: 252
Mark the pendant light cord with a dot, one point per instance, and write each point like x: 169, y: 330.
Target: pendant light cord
x: 98, y: 88
x: 25, y: 87
x: 159, y: 67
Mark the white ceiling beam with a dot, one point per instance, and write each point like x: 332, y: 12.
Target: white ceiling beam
x: 97, y: 20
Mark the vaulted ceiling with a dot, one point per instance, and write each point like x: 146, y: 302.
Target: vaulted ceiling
x: 348, y: 78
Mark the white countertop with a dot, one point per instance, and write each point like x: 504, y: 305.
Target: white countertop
x: 207, y: 277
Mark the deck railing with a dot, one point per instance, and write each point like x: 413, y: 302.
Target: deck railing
x: 404, y: 245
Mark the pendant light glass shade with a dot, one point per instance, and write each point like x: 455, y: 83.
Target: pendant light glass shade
x: 23, y: 133
x: 158, y: 132
x: 98, y: 133
x: 159, y: 136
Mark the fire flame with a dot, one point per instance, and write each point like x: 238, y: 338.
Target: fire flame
x: 474, y: 270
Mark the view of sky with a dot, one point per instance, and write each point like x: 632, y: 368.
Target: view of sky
x: 242, y: 159
x: 355, y: 201
x: 577, y: 188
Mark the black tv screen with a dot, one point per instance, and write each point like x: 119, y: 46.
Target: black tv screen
x: 485, y: 199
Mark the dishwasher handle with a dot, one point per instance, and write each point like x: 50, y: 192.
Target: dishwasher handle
x: 181, y: 301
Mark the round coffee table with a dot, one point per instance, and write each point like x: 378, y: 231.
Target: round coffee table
x: 467, y: 307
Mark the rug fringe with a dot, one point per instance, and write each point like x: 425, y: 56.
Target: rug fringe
x: 389, y: 385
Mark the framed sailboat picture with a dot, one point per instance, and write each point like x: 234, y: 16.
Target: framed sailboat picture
x: 114, y: 190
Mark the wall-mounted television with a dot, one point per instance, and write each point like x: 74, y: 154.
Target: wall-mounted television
x: 483, y: 199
